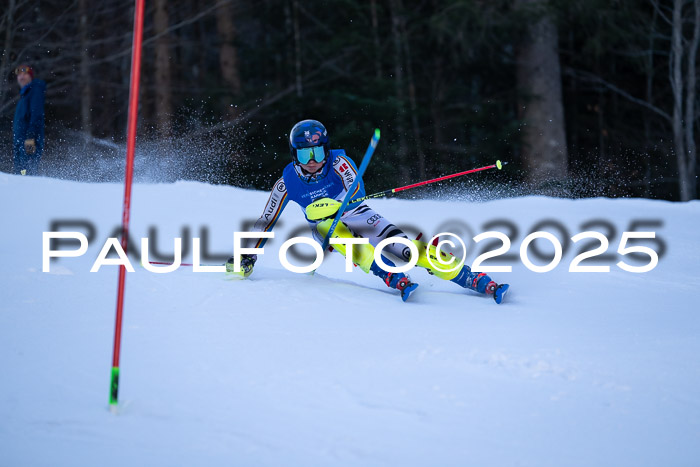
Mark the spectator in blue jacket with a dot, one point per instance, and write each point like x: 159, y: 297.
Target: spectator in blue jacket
x: 28, y: 127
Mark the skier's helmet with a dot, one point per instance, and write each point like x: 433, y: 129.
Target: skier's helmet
x: 308, y: 141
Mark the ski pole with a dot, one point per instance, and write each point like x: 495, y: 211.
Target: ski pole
x: 498, y: 165
x: 164, y: 263
x: 360, y: 172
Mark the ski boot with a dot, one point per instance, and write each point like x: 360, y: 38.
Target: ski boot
x: 401, y: 282
x: 497, y: 290
x: 480, y: 282
x: 247, y: 263
x: 394, y: 280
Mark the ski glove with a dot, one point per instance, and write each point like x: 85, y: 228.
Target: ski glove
x: 30, y: 146
x: 247, y: 263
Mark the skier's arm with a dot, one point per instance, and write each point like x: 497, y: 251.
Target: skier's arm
x: 273, y: 209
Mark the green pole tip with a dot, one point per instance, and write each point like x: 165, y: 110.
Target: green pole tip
x: 499, y: 165
x: 114, y: 386
x: 376, y: 133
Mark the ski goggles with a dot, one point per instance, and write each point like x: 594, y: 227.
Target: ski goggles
x: 304, y: 155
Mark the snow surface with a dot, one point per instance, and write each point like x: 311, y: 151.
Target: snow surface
x: 333, y: 369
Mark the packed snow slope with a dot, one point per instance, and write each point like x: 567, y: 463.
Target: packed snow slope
x: 575, y: 368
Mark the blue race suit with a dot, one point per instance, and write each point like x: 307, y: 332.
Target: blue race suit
x: 360, y: 218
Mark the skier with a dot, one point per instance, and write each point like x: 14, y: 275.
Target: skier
x: 317, y: 172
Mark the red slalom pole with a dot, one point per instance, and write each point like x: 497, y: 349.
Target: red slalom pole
x: 129, y: 175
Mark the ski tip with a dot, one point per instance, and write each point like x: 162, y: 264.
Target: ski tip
x: 405, y: 293
x: 376, y: 133
x: 499, y: 165
x: 500, y: 293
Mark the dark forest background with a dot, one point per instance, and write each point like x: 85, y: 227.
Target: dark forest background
x: 581, y: 97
